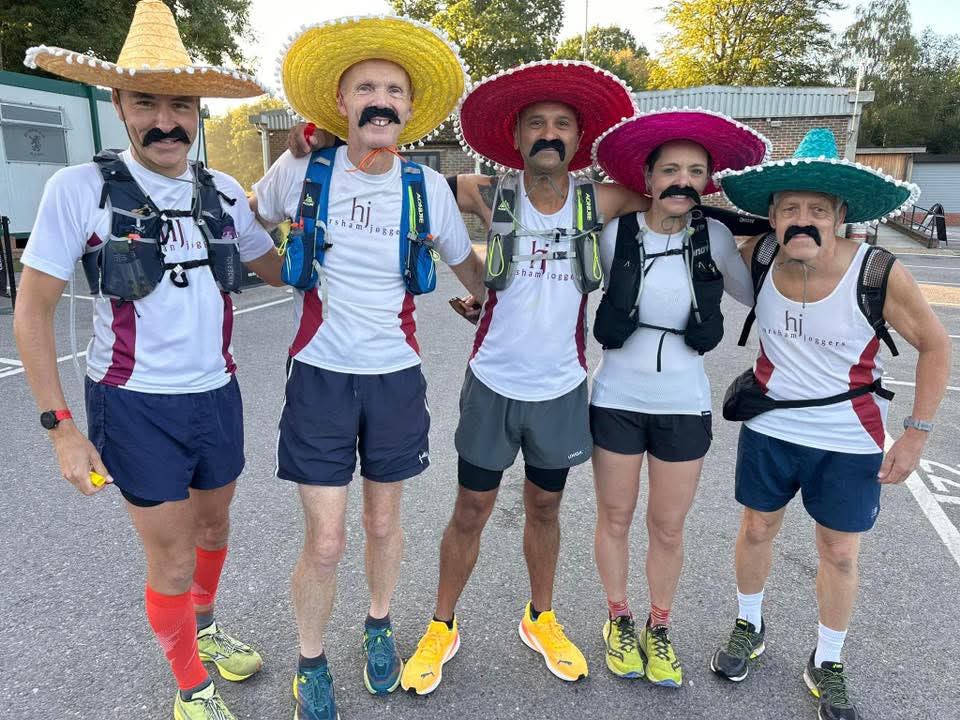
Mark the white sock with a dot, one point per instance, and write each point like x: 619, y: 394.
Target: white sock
x: 829, y: 645
x: 751, y: 608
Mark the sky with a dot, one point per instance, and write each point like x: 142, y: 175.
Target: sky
x: 274, y: 20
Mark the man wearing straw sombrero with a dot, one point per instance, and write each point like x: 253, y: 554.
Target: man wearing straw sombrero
x: 354, y: 374
x: 813, y: 403
x: 161, y: 240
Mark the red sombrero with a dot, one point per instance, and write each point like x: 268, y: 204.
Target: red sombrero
x: 622, y: 151
x: 488, y: 114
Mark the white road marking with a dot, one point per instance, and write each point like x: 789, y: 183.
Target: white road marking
x: 933, y: 267
x: 930, y: 505
x: 887, y: 381
x: 260, y: 307
x: 10, y: 361
x: 931, y: 282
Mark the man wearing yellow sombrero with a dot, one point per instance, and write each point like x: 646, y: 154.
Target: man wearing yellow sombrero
x: 813, y: 403
x: 161, y: 240
x: 368, y: 230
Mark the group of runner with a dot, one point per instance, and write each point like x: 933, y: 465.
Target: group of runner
x: 161, y: 240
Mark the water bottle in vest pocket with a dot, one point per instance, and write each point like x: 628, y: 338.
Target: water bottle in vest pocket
x: 704, y: 335
x: 221, y: 236
x: 298, y: 253
x: 587, y: 270
x: 129, y: 265
x: 418, y: 263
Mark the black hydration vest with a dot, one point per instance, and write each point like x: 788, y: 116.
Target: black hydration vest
x: 618, y: 314
x: 129, y: 264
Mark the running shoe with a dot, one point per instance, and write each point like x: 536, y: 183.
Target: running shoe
x: 313, y: 693
x: 829, y: 683
x: 424, y: 670
x: 663, y: 667
x: 381, y: 674
x: 745, y: 644
x: 204, y: 704
x: 623, y: 647
x: 235, y: 660
x: 545, y: 636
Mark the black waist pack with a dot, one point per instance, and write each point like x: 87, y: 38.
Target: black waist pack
x: 746, y: 398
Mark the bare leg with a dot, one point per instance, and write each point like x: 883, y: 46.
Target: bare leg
x: 541, y: 542
x: 837, y: 576
x: 616, y: 478
x: 384, y: 547
x: 754, y: 553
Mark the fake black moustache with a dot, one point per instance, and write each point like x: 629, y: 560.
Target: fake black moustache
x: 795, y: 230
x: 549, y: 145
x: 681, y: 191
x: 156, y: 135
x: 369, y: 113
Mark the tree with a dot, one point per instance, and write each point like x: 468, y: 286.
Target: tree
x: 915, y: 80
x: 612, y: 48
x: 493, y: 35
x: 744, y: 42
x: 212, y: 30
x: 233, y: 143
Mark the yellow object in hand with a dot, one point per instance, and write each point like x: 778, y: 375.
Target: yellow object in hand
x: 96, y: 479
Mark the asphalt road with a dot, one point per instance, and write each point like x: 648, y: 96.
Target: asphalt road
x: 74, y: 642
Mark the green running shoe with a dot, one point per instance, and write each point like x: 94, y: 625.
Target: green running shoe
x: 235, y: 660
x: 382, y: 672
x: 745, y: 644
x: 829, y: 683
x: 663, y: 667
x: 204, y: 704
x: 623, y: 647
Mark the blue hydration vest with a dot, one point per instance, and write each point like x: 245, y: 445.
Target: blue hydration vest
x: 307, y: 244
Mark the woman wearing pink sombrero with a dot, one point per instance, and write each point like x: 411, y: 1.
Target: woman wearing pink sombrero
x: 666, y: 271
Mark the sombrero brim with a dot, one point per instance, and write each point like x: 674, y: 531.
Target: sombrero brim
x: 869, y: 194
x: 311, y: 65
x: 488, y: 115
x: 622, y: 151
x: 190, y: 80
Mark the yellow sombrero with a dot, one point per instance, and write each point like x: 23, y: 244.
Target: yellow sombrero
x: 310, y: 67
x: 152, y: 60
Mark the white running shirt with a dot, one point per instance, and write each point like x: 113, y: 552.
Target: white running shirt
x: 175, y: 340
x: 370, y: 323
x: 531, y: 338
x: 627, y: 378
x: 821, y: 349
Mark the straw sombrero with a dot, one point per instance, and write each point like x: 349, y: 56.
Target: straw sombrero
x: 153, y: 60
x: 816, y: 166
x: 311, y: 64
x: 622, y: 151
x: 489, y: 113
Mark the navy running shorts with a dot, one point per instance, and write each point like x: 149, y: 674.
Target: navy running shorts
x: 156, y: 447
x: 329, y: 417
x: 839, y: 490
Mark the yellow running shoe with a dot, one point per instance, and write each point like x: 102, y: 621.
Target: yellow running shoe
x: 424, y: 670
x: 663, y: 667
x: 235, y: 660
x: 623, y: 647
x: 545, y: 635
x: 205, y: 704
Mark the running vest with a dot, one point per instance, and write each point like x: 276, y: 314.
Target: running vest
x: 130, y: 263
x: 306, y: 245
x: 871, y: 286
x: 584, y: 250
x: 618, y: 313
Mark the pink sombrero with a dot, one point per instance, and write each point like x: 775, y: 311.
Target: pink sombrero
x: 622, y: 151
x: 488, y: 114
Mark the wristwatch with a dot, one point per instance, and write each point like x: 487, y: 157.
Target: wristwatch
x: 922, y: 425
x: 51, y: 418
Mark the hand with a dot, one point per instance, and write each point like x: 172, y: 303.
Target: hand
x: 77, y: 457
x: 304, y: 138
x: 467, y: 307
x: 903, y: 457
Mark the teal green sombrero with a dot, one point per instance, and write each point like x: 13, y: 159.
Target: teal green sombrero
x: 816, y: 166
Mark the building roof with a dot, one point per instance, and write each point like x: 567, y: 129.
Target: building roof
x: 281, y: 120
x: 891, y: 150
x: 930, y: 159
x: 758, y: 102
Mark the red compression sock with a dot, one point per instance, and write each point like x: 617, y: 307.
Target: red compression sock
x: 659, y: 616
x: 618, y: 608
x: 206, y: 576
x: 173, y: 622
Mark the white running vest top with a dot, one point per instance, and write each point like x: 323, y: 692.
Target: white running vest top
x: 814, y: 351
x: 531, y: 338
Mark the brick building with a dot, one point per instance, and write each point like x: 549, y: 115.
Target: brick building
x: 784, y: 115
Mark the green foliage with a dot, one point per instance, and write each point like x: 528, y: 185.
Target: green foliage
x: 493, y: 35
x: 915, y: 80
x: 744, y: 42
x: 612, y: 48
x: 213, y: 30
x: 233, y: 143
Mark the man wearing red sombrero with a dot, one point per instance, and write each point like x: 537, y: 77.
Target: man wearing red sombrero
x: 813, y: 403
x: 161, y: 240
x: 525, y: 387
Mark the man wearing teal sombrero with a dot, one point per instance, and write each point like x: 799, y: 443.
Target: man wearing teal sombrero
x: 368, y: 229
x: 813, y: 403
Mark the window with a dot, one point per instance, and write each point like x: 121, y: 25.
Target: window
x: 430, y: 159
x: 33, y: 134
